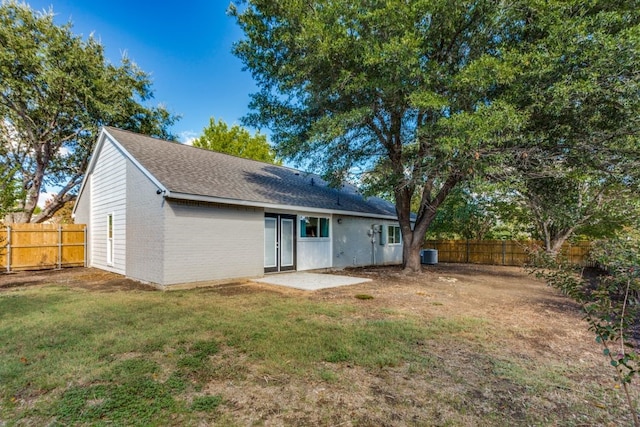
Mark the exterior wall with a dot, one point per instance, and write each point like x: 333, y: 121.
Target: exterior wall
x: 387, y: 253
x: 83, y: 206
x: 83, y: 215
x: 204, y: 242
x: 314, y: 252
x: 311, y: 253
x: 352, y: 243
x: 145, y: 230
x: 348, y: 244
x: 107, y: 191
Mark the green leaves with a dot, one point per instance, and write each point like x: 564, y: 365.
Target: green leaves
x: 424, y: 95
x: 385, y: 85
x: 236, y: 141
x: 56, y: 91
x: 609, y: 300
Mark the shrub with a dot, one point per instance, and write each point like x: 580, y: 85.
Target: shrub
x: 609, y: 300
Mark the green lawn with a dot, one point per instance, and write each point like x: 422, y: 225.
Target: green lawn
x: 71, y: 356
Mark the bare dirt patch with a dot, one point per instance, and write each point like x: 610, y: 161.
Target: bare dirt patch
x: 86, y: 278
x: 538, y: 317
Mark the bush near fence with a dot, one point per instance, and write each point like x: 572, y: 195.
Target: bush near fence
x: 500, y: 252
x: 41, y: 246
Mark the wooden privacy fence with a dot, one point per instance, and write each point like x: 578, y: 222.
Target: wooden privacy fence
x: 499, y: 252
x: 42, y: 246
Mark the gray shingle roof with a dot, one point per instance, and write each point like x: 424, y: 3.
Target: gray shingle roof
x: 193, y: 171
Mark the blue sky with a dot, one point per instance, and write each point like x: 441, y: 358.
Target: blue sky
x: 184, y: 46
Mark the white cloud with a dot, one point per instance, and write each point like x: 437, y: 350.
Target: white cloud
x: 44, y: 198
x: 187, y: 137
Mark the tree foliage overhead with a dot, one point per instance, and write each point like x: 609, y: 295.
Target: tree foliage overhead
x: 466, y: 213
x: 236, y: 141
x: 426, y: 94
x: 558, y: 208
x: 400, y: 88
x: 579, y: 88
x: 56, y: 91
x: 579, y: 84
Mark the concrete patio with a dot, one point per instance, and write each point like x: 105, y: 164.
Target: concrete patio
x: 310, y: 281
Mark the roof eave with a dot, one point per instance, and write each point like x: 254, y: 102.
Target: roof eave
x: 264, y: 205
x: 87, y: 172
x: 102, y: 136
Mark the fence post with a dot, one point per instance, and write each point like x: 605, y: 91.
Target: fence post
x: 504, y: 251
x: 84, y: 230
x: 59, y: 247
x: 467, y: 261
x: 8, y: 249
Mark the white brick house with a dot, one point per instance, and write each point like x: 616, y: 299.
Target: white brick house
x: 167, y: 213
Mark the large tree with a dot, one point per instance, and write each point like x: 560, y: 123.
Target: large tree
x: 56, y: 90
x: 556, y: 208
x: 579, y: 87
x: 235, y: 140
x: 426, y: 94
x: 405, y: 90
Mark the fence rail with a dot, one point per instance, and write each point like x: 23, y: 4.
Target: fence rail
x: 42, y: 246
x: 499, y: 252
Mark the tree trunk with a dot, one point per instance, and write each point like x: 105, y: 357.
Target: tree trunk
x: 413, y: 237
x: 33, y: 184
x: 411, y: 253
x: 26, y: 207
x: 553, y: 245
x: 52, y: 207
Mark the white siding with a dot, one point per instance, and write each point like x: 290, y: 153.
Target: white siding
x: 207, y: 242
x: 107, y: 191
x: 83, y: 206
x: 352, y: 245
x: 145, y: 228
x: 83, y: 214
x: 314, y: 253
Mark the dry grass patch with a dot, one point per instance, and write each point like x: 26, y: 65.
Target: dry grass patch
x: 492, y: 347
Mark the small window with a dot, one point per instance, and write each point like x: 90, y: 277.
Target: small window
x: 394, y: 237
x: 110, y: 239
x: 311, y: 226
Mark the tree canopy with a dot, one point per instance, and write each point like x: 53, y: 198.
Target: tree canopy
x: 400, y: 88
x: 56, y: 91
x: 236, y: 141
x: 579, y: 88
x: 425, y: 95
x: 466, y: 213
x: 558, y: 208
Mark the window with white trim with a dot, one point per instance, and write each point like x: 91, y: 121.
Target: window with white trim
x: 394, y: 236
x: 312, y: 226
